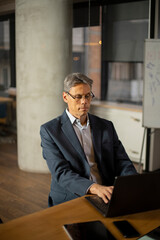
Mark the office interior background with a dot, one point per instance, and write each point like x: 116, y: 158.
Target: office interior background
x: 41, y: 41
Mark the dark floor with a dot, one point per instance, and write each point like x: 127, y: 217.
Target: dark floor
x: 21, y: 193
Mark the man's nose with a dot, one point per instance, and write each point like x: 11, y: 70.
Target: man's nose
x: 83, y: 99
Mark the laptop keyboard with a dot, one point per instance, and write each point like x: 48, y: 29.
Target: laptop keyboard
x: 98, y: 203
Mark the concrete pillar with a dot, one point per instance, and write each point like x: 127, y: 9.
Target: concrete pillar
x: 43, y: 59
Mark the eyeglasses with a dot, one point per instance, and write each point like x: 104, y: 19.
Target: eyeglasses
x: 78, y: 97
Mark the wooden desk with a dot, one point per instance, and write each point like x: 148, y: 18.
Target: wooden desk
x: 47, y: 224
x: 6, y: 99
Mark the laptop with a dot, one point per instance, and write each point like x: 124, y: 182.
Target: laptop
x: 131, y: 194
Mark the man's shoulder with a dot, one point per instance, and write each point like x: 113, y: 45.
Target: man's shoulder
x: 55, y: 121
x: 99, y: 120
x: 52, y: 121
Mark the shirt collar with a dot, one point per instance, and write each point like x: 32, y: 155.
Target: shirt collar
x: 75, y: 120
x: 71, y: 117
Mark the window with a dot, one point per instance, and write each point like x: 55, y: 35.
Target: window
x: 4, y: 55
x: 7, y: 54
x: 125, y: 82
x: 125, y: 27
x: 111, y: 50
x: 86, y: 42
x: 87, y: 54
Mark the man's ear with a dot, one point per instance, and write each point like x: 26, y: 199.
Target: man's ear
x: 65, y: 95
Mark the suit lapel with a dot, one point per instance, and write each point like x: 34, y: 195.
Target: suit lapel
x: 96, y: 136
x: 69, y: 132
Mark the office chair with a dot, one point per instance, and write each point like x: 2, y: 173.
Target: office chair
x: 3, y: 117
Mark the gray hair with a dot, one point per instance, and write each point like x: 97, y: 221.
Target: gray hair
x: 74, y: 79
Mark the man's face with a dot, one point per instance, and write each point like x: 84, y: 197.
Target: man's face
x: 78, y: 107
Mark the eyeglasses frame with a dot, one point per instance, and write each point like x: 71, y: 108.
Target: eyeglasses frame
x: 92, y: 96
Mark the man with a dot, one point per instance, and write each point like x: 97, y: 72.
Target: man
x: 82, y: 151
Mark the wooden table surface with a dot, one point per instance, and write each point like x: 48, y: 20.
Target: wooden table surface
x: 48, y: 224
x: 6, y: 99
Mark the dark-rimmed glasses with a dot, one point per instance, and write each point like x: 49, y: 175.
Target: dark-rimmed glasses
x: 78, y: 97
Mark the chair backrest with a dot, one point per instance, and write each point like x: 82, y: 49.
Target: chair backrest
x: 3, y: 110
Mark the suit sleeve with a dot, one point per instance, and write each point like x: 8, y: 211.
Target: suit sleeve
x: 123, y: 164
x: 66, y: 175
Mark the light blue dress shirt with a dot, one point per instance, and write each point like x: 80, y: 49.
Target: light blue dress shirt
x: 84, y: 135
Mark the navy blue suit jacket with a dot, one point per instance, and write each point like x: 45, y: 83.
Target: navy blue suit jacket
x: 67, y: 161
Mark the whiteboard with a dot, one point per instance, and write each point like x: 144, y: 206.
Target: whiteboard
x: 151, y: 90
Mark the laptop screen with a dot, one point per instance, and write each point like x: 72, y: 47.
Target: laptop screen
x: 134, y: 193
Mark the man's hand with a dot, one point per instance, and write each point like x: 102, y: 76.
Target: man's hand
x: 103, y: 192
